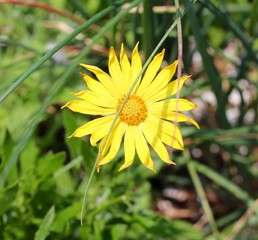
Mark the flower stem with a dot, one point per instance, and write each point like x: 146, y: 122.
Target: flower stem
x: 201, y: 193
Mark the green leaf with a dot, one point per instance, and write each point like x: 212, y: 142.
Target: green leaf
x: 7, y: 146
x: 6, y: 197
x: 63, y: 217
x: 46, y: 224
x: 50, y: 163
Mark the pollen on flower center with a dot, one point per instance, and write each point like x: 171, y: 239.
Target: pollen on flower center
x: 134, y: 111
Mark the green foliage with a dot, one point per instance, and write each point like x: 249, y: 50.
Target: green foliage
x: 43, y: 173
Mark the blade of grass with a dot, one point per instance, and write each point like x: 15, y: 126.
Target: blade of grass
x: 253, y: 22
x: 201, y: 193
x: 215, y: 80
x: 179, y: 67
x: 249, y: 132
x: 228, y: 185
x: 46, y: 224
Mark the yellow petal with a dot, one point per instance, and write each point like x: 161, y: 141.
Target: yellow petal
x: 177, y: 117
x: 95, y: 86
x: 115, y: 71
x: 105, y: 144
x: 167, y: 91
x: 166, y: 131
x: 84, y: 107
x: 150, y: 73
x: 154, y: 140
x: 136, y: 65
x: 129, y: 148
x: 142, y: 148
x: 125, y: 67
x: 104, y: 78
x: 115, y: 145
x: 164, y: 108
x: 92, y: 126
x: 101, y: 131
x: 161, y: 80
x: 97, y: 99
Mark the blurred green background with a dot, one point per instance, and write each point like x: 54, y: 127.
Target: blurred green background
x: 212, y: 191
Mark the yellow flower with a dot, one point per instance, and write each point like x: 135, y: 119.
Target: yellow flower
x: 146, y: 118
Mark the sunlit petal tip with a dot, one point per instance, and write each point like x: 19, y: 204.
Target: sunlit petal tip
x: 112, y: 55
x: 72, y: 135
x: 152, y: 169
x: 92, y: 142
x: 195, y: 124
x: 122, y: 49
x: 135, y: 50
x: 64, y: 106
x: 184, y: 78
x: 76, y: 93
x: 169, y: 161
x: 194, y: 105
x: 111, y: 51
x: 86, y: 66
x: 125, y: 165
x: 83, y: 75
x: 150, y: 166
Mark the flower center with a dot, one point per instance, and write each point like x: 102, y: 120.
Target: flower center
x: 134, y: 111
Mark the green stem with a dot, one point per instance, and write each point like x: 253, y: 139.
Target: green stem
x: 179, y: 68
x: 111, y: 23
x: 148, y: 27
x: 201, y: 193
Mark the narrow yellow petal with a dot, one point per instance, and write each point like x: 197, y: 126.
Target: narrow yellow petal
x: 97, y: 99
x: 150, y: 73
x: 164, y: 108
x: 84, y: 107
x: 115, y: 145
x: 136, y: 65
x: 142, y: 148
x: 104, y: 148
x: 125, y: 67
x: 129, y: 148
x: 101, y: 130
x: 95, y: 86
x: 178, y: 117
x: 165, y: 92
x: 104, y: 78
x: 92, y: 126
x: 154, y: 140
x: 165, y: 131
x: 161, y: 80
x: 115, y: 71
